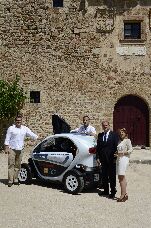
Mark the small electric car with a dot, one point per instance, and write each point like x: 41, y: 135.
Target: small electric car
x: 68, y: 158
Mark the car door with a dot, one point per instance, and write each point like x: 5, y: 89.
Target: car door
x: 53, y: 156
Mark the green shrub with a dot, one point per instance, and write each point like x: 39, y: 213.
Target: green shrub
x: 12, y: 98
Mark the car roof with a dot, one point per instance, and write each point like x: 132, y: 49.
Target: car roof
x: 76, y: 137
x: 73, y: 136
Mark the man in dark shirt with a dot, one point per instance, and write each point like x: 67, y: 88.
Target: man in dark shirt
x: 106, y: 148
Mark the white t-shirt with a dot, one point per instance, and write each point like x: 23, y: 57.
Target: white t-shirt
x: 82, y: 130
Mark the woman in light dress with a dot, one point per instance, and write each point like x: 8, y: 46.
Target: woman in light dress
x: 124, y: 150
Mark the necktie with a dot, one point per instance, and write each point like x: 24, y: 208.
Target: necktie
x: 105, y: 137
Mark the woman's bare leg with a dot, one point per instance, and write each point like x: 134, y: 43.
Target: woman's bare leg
x: 123, y: 184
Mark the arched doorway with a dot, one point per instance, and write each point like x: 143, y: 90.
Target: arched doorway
x: 132, y: 113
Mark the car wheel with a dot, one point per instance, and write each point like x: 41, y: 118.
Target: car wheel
x: 73, y: 183
x: 24, y: 175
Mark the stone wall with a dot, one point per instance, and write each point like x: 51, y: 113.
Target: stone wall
x: 75, y: 56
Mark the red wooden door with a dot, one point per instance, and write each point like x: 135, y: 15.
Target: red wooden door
x: 132, y: 113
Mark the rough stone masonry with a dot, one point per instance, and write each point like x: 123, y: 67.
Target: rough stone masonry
x: 76, y: 56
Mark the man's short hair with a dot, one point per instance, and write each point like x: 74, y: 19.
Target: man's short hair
x: 86, y: 117
x: 105, y: 121
x: 18, y: 117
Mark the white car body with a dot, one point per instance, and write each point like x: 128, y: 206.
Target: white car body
x: 68, y: 158
x: 83, y: 157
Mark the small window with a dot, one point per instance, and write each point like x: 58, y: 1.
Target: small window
x: 57, y: 3
x: 132, y: 30
x: 34, y: 96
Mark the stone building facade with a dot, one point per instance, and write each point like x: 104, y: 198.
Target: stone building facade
x: 81, y: 57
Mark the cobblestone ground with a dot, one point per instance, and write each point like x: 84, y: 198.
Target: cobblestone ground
x: 46, y: 205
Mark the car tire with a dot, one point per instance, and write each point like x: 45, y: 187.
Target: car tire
x: 73, y: 183
x: 24, y: 175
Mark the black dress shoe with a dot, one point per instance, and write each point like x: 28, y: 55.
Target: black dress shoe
x: 10, y: 184
x: 103, y: 193
x: 112, y: 196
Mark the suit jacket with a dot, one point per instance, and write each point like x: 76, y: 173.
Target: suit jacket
x: 105, y: 150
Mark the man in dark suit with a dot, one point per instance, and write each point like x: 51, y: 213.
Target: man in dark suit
x: 106, y: 148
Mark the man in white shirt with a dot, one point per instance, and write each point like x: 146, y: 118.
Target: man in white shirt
x: 86, y: 128
x: 14, y: 144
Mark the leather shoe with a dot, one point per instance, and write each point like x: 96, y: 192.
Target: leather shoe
x: 123, y: 199
x: 10, y: 184
x: 112, y: 196
x: 103, y: 193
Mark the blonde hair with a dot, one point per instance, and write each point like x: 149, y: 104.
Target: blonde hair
x: 124, y: 130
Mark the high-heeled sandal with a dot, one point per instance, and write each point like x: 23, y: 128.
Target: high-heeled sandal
x: 123, y: 199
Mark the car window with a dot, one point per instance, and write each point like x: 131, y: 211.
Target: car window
x: 59, y: 144
x: 65, y: 145
x: 46, y: 145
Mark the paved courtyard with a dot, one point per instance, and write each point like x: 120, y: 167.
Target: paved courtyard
x: 46, y: 205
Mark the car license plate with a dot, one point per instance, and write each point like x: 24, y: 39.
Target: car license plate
x: 96, y: 177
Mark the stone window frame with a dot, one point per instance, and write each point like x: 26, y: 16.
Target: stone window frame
x: 132, y: 19
x: 150, y: 18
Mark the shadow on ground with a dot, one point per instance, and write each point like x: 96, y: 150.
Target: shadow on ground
x: 56, y: 185
x: 4, y: 181
x: 59, y: 186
